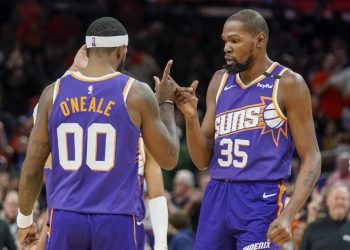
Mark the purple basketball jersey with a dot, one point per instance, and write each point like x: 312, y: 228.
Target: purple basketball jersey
x: 94, y: 146
x: 252, y: 137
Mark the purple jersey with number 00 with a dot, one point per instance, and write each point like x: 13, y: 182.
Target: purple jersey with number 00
x: 94, y: 146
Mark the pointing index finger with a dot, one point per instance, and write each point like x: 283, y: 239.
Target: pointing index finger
x: 166, y: 72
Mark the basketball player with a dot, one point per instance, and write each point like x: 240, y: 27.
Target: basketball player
x: 91, y: 121
x: 257, y: 110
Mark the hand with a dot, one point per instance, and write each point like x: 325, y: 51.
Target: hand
x: 187, y: 101
x: 165, y: 88
x: 280, y: 230
x: 81, y: 59
x: 28, y: 236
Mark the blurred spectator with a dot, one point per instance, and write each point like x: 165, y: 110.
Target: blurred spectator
x: 333, y: 231
x: 10, y: 211
x: 181, y: 235
x: 6, y: 239
x: 330, y: 101
x: 342, y: 170
x: 298, y: 228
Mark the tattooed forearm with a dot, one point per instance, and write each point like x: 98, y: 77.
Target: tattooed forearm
x: 310, y: 179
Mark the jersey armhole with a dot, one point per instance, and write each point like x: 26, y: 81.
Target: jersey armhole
x: 127, y: 88
x: 55, y: 90
x: 222, y: 84
x: 275, y: 95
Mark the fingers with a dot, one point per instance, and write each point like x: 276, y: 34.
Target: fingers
x: 194, y: 85
x: 156, y: 82
x: 278, y: 235
x: 166, y: 72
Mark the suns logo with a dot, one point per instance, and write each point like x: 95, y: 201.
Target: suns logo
x: 262, y: 116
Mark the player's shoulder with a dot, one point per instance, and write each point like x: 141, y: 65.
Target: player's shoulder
x: 140, y: 94
x: 218, y: 75
x: 292, y: 78
x: 292, y: 82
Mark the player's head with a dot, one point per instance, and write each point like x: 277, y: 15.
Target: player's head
x: 106, y: 37
x: 245, y: 35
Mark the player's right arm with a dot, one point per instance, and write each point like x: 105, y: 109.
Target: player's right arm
x: 200, y: 139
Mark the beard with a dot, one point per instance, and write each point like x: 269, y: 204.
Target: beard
x: 237, y: 67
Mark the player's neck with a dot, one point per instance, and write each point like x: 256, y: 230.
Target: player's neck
x: 97, y: 68
x: 258, y: 68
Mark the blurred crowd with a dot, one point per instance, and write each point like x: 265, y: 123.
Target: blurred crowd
x: 40, y: 38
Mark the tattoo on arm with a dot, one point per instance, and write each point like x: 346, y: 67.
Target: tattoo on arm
x: 310, y: 179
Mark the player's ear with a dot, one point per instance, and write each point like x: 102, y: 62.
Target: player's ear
x: 119, y: 52
x: 261, y: 39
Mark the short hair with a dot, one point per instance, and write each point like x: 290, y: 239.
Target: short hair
x: 253, y: 21
x: 105, y: 26
x: 185, y: 176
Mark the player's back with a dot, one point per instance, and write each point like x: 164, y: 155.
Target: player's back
x: 94, y: 146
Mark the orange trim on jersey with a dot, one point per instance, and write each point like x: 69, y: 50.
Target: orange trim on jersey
x: 134, y: 222
x: 127, y: 87
x: 58, y: 82
x: 256, y: 80
x: 97, y: 79
x: 240, y: 108
x: 48, y: 163
x: 221, y: 87
x: 274, y: 97
x: 282, y: 188
x: 241, y: 130
x: 50, y: 223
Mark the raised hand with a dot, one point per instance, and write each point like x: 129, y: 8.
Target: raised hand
x: 280, y: 230
x: 186, y: 100
x: 29, y: 236
x: 165, y: 88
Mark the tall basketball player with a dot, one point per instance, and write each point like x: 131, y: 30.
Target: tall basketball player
x: 91, y: 121
x: 257, y: 110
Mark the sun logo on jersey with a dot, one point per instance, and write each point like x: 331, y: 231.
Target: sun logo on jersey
x: 263, y: 116
x: 274, y: 124
x: 90, y: 89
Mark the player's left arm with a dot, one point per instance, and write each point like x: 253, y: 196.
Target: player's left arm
x: 294, y: 98
x: 157, y: 204
x: 31, y: 179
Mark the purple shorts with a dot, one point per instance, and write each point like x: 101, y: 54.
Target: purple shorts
x: 78, y: 231
x: 237, y: 215
x: 140, y: 236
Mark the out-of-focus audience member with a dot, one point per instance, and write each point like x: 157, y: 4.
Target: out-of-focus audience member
x: 342, y: 170
x: 181, y: 235
x: 330, y: 101
x: 183, y: 187
x: 333, y: 231
x: 10, y: 211
x: 6, y: 239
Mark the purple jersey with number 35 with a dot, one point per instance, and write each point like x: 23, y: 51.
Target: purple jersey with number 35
x: 94, y: 146
x: 252, y: 138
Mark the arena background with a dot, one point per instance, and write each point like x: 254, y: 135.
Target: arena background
x: 39, y: 38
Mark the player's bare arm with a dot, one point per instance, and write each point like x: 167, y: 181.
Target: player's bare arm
x: 200, y: 138
x: 294, y: 98
x: 157, y: 122
x: 31, y: 179
x: 154, y: 177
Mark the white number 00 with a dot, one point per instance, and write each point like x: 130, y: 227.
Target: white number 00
x: 231, y: 151
x: 91, y: 152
